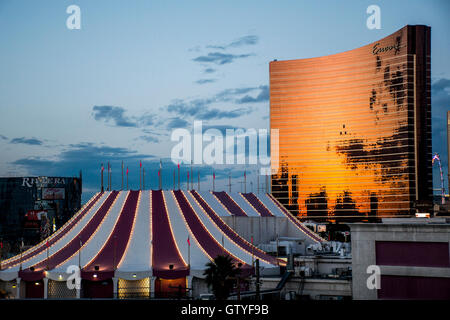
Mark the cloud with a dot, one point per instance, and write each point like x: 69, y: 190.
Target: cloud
x: 209, y: 70
x: 30, y: 141
x: 245, y: 40
x: 204, y: 81
x: 177, y: 123
x: 204, y: 109
x: 262, y: 96
x: 150, y: 139
x: 200, y: 110
x: 220, y: 58
x: 87, y: 157
x: 113, y: 114
x: 3, y: 137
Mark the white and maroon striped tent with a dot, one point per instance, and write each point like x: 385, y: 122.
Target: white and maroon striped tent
x: 134, y: 235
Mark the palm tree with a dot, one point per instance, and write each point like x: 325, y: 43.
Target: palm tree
x: 220, y: 274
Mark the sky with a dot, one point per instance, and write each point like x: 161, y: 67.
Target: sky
x: 115, y: 89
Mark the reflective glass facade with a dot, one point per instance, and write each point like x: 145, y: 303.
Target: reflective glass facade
x: 355, y: 130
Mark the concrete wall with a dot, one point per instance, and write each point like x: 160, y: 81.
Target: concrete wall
x: 312, y: 287
x: 199, y: 286
x: 364, y: 237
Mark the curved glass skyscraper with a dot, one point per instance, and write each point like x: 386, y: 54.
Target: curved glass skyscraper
x: 355, y: 129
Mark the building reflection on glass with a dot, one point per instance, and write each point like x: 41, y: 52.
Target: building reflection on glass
x: 355, y: 130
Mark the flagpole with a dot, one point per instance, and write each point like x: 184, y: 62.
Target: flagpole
x: 198, y: 178
x: 160, y: 174
x: 257, y: 187
x: 173, y: 179
x: 245, y: 182
x: 127, y: 178
x: 102, y: 178
x: 214, y: 180
x: 122, y: 177
x: 108, y: 177
x: 140, y: 167
x: 189, y: 253
x: 143, y: 178
x: 178, y: 176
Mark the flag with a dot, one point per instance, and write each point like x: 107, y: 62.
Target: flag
x: 214, y: 176
x: 46, y: 243
x: 178, y: 165
x: 22, y: 244
x: 160, y: 164
x: 252, y: 239
x: 127, y: 170
x: 140, y: 164
x: 1, y: 245
x: 102, y: 168
x: 189, y: 242
x: 81, y: 243
x: 244, y: 174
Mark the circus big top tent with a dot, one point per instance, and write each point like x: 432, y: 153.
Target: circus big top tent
x: 148, y: 242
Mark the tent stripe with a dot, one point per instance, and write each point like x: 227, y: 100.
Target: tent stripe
x: 230, y: 233
x: 229, y: 204
x: 257, y: 205
x: 112, y: 252
x: 204, y: 238
x: 164, y: 248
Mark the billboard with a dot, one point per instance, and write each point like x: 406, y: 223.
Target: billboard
x: 33, y: 218
x: 53, y: 193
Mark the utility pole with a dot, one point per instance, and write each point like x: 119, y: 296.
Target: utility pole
x: 102, y: 178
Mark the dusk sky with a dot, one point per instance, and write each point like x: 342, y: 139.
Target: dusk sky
x: 115, y: 89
